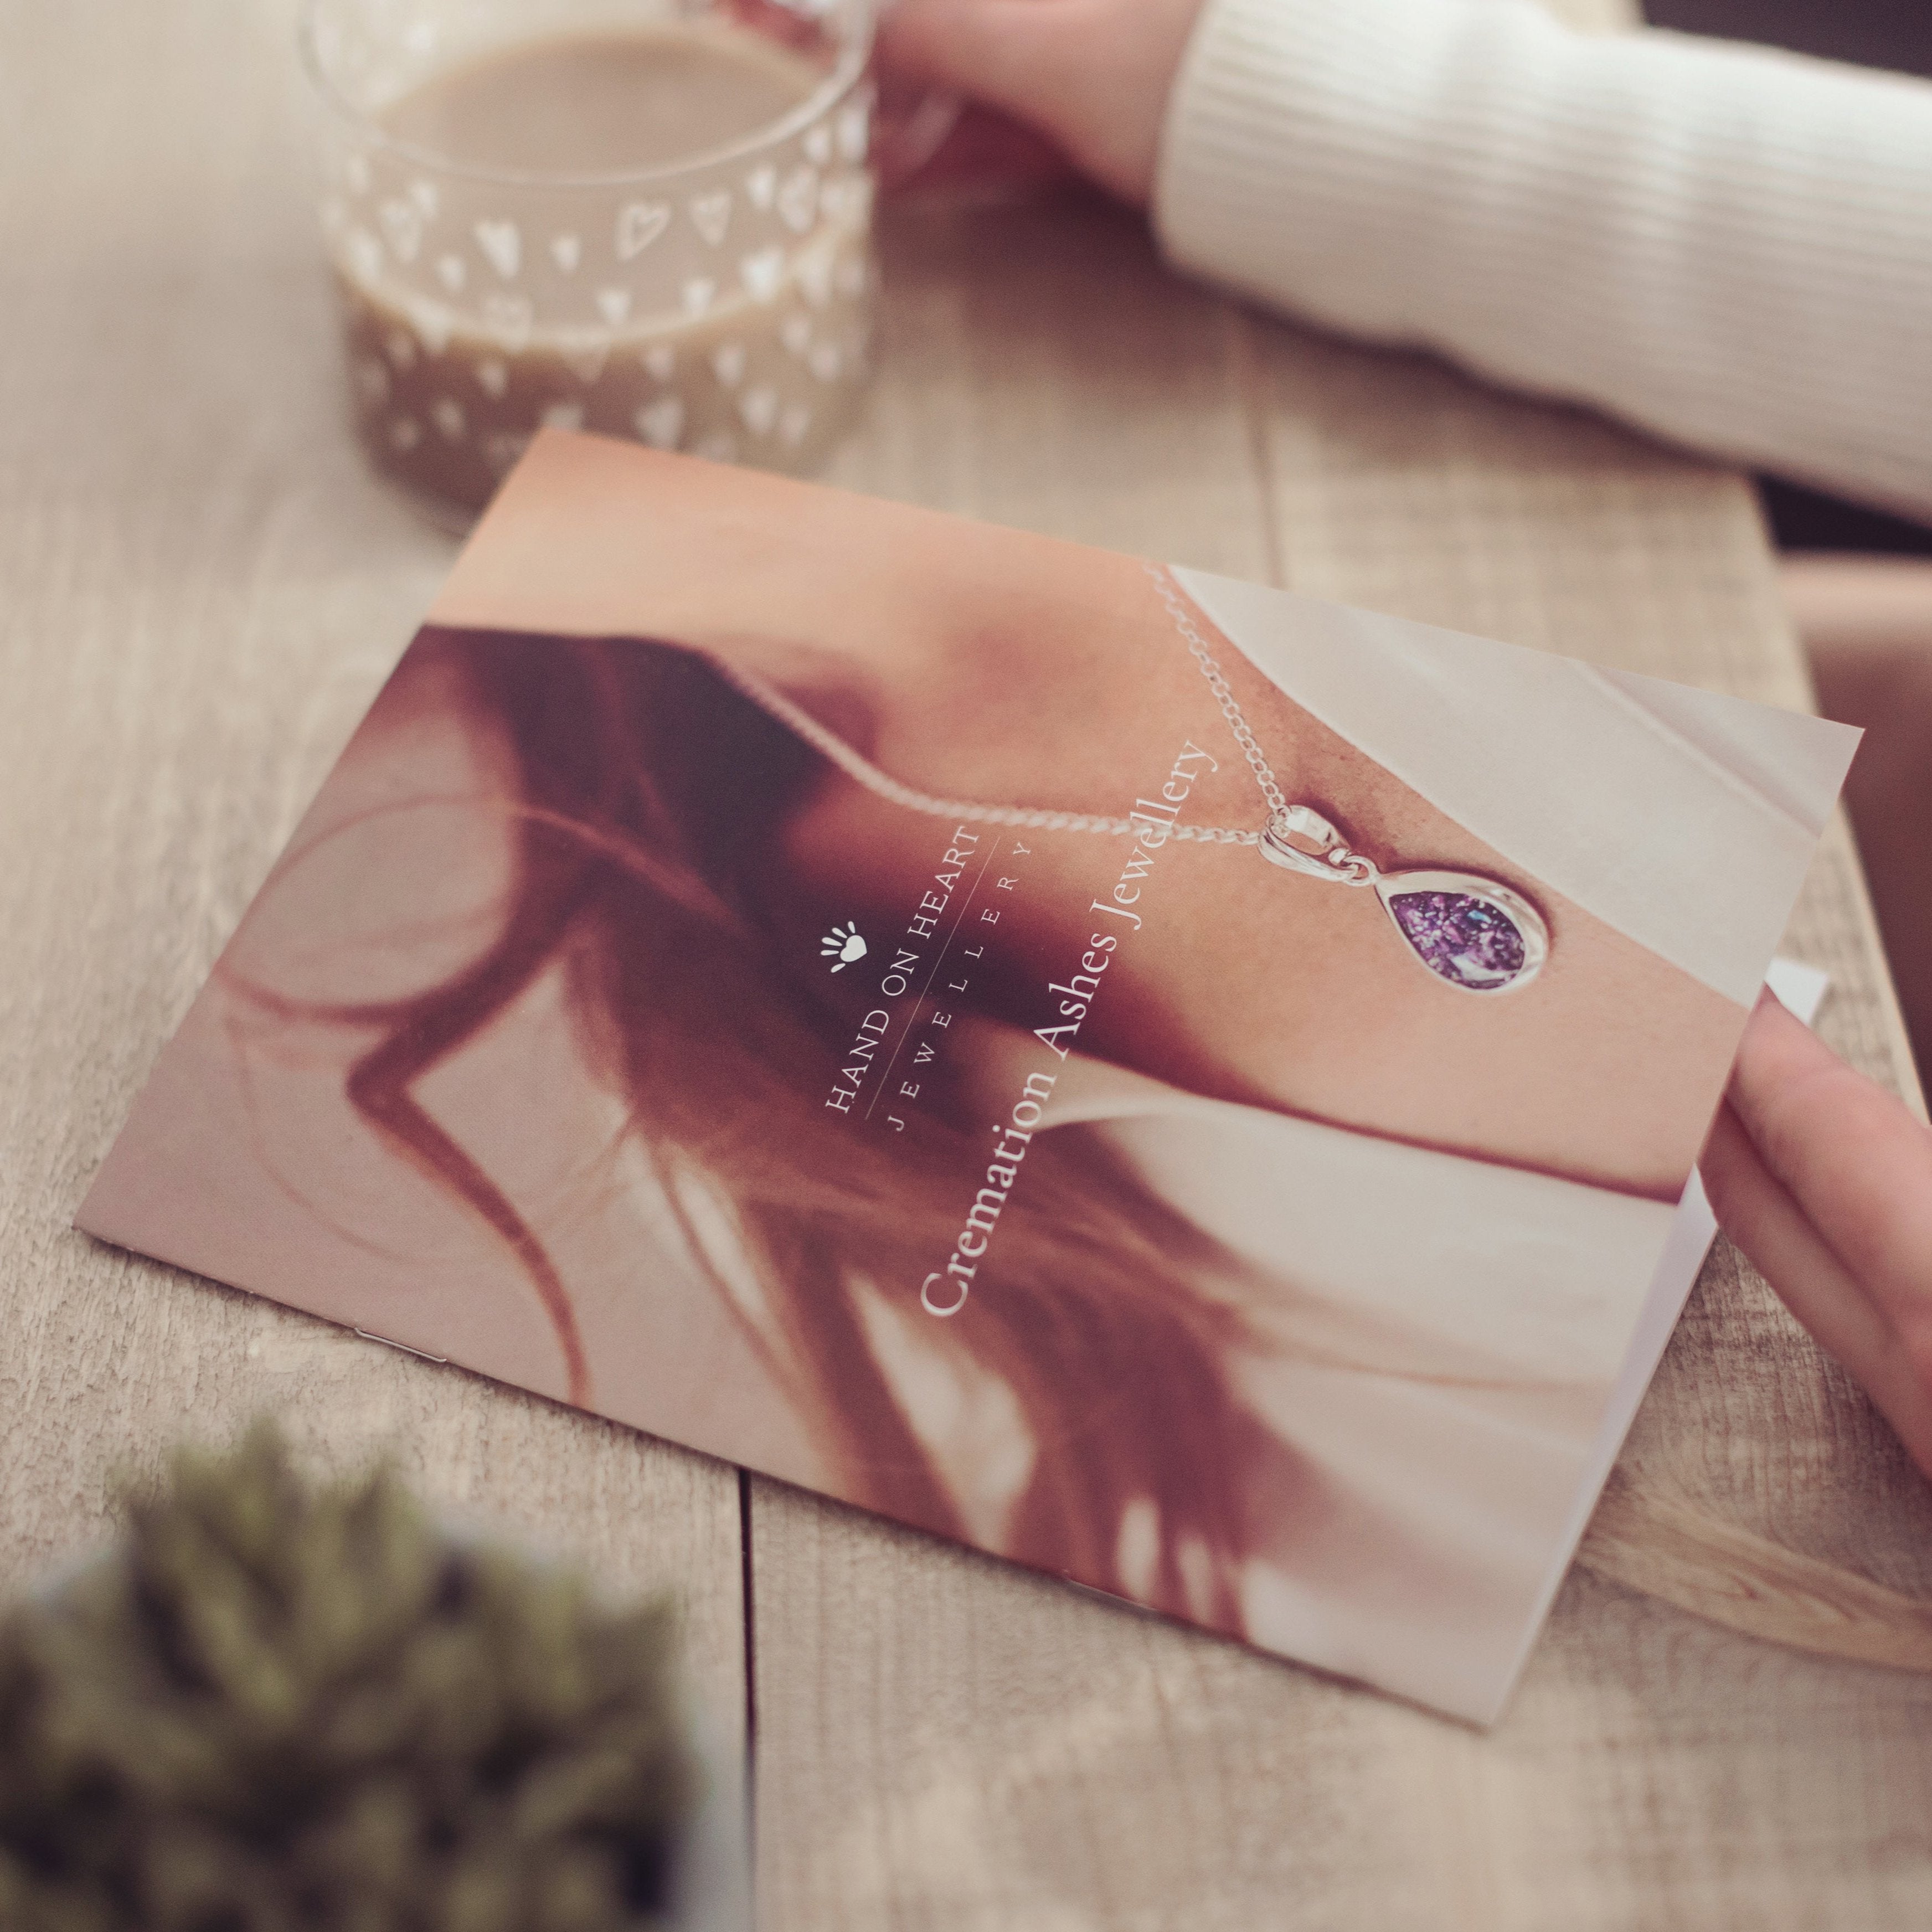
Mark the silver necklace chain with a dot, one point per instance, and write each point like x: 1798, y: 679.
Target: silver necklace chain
x: 882, y: 785
x: 1224, y: 696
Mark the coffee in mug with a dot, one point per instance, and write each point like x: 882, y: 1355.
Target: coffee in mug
x: 655, y: 226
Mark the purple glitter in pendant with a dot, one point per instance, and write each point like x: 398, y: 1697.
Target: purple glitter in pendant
x: 1466, y: 941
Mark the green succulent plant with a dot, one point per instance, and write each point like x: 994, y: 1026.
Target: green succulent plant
x: 277, y: 1706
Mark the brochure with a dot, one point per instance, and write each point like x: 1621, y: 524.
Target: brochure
x: 1183, y: 1086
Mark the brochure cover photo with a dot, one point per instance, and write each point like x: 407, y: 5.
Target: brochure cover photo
x: 1180, y: 1085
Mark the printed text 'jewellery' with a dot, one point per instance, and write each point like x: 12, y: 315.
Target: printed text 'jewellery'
x: 1473, y: 933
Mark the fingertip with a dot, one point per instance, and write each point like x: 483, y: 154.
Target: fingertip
x: 1775, y: 1039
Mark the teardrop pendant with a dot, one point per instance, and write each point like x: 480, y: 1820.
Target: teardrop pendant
x: 1474, y: 935
x: 1477, y: 936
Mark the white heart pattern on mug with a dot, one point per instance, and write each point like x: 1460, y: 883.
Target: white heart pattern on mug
x: 660, y: 424
x: 711, y: 214
x: 433, y: 324
x: 763, y: 274
x: 759, y: 408
x: 502, y: 247
x: 492, y: 376
x: 728, y: 365
x: 639, y: 224
x: 798, y: 199
x: 847, y: 199
x: 761, y: 184
x: 614, y: 305
x: 563, y: 415
x: 854, y: 124
x: 566, y: 251
x: 450, y: 272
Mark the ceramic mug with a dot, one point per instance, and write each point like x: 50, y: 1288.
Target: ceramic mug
x: 720, y: 302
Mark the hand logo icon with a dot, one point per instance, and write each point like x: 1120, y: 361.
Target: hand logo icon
x: 843, y: 942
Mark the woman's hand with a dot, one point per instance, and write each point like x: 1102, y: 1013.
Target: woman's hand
x: 1824, y: 1181
x: 1092, y: 76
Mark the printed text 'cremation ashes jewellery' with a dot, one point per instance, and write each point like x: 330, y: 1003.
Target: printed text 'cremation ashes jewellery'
x: 1473, y: 933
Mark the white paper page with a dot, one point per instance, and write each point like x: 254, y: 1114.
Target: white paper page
x: 1801, y: 989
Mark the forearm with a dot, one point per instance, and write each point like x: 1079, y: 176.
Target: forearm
x: 1729, y: 246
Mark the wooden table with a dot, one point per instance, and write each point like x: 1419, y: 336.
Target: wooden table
x: 200, y: 591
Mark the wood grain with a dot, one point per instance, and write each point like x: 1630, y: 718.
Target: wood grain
x: 201, y: 592
x: 944, y: 1742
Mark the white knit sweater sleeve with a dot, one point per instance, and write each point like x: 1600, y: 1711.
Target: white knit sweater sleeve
x: 1726, y: 245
